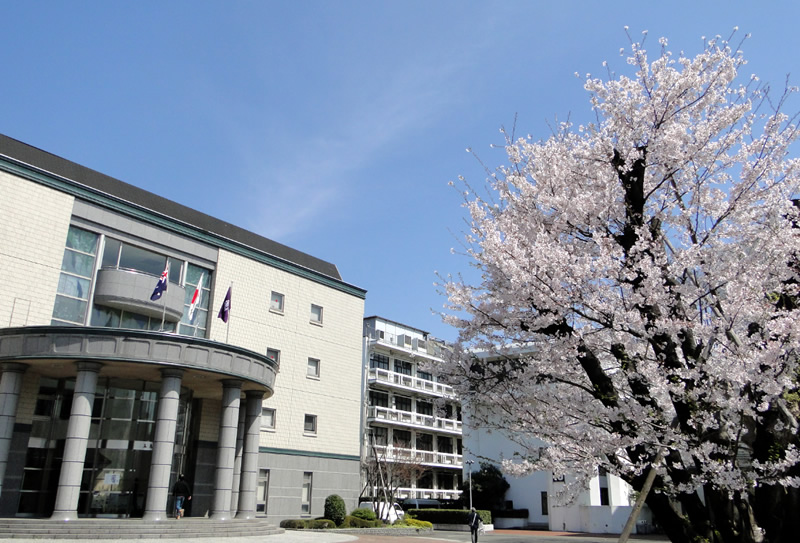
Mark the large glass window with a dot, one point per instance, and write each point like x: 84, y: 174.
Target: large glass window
x: 402, y: 403
x: 74, y: 284
x: 424, y: 408
x: 425, y: 442
x: 196, y: 326
x: 401, y: 439
x: 119, y: 254
x: 379, y: 361
x: 378, y: 399
x: 401, y: 366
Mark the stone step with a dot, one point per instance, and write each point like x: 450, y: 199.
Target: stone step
x: 133, y: 528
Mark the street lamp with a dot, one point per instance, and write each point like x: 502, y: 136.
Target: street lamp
x: 469, y: 463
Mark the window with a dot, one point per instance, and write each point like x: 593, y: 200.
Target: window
x: 195, y: 327
x: 444, y: 444
x: 316, y: 314
x: 401, y: 366
x: 424, y: 408
x: 401, y: 439
x: 544, y: 503
x: 604, y: 496
x: 313, y: 368
x: 379, y: 361
x: 274, y: 355
x: 425, y: 442
x: 262, y: 492
x: 378, y: 399
x: 424, y: 375
x: 267, y: 418
x: 310, y: 424
x: 379, y: 436
x: 77, y: 269
x: 276, y: 302
x: 305, y: 493
x: 402, y: 403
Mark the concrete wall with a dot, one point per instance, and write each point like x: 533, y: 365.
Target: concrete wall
x: 331, y: 476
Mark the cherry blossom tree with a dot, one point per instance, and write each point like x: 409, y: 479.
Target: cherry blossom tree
x: 637, y: 304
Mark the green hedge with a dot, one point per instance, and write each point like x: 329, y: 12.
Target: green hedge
x: 412, y: 522
x: 293, y: 524
x: 321, y: 524
x: 355, y: 522
x: 448, y: 516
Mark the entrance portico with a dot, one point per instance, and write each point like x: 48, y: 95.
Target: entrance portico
x: 109, y: 384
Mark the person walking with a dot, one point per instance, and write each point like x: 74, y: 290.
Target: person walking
x: 182, y: 493
x: 474, y: 521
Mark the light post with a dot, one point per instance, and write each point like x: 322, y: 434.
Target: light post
x: 469, y: 463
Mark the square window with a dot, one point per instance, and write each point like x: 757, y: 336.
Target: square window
x: 310, y: 424
x: 316, y: 314
x: 276, y: 302
x: 274, y: 355
x: 313, y: 368
x: 267, y: 418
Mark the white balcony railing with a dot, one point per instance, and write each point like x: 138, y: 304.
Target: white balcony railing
x: 392, y: 378
x: 414, y: 420
x: 432, y: 458
x: 409, y: 493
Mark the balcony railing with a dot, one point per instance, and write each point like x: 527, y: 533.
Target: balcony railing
x: 416, y: 456
x: 392, y: 378
x: 408, y: 493
x: 415, y: 420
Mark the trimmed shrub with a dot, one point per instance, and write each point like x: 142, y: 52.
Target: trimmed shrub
x: 293, y: 524
x: 413, y: 523
x: 449, y: 516
x: 321, y: 524
x: 355, y: 522
x: 364, y: 513
x: 335, y: 509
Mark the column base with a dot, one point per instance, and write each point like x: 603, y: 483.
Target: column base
x: 220, y: 515
x: 154, y: 515
x: 64, y: 516
x: 249, y: 515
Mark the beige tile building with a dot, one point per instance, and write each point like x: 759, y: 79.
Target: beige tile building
x: 107, y: 395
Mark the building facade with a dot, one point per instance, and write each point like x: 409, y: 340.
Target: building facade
x: 107, y: 395
x: 412, y: 422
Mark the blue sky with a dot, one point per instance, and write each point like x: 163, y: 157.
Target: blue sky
x: 334, y: 127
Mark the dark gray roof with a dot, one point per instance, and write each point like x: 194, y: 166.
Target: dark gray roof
x: 51, y: 163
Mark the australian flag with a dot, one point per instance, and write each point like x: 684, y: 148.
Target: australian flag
x: 161, y: 286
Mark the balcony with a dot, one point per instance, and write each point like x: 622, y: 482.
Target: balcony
x: 413, y: 420
x: 415, y: 456
x: 407, y: 382
x: 130, y: 290
x: 410, y: 493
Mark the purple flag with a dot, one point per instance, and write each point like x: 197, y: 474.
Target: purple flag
x: 225, y: 310
x: 161, y: 286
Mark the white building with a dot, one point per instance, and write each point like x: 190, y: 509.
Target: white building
x: 410, y: 417
x: 603, y: 508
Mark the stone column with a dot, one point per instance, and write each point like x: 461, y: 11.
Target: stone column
x: 237, y: 463
x: 163, y: 444
x: 10, y: 387
x: 226, y: 449
x: 247, y: 490
x: 80, y: 421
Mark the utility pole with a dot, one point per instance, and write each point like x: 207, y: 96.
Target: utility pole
x: 469, y: 463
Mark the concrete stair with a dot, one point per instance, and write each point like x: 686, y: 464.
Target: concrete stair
x: 134, y: 528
